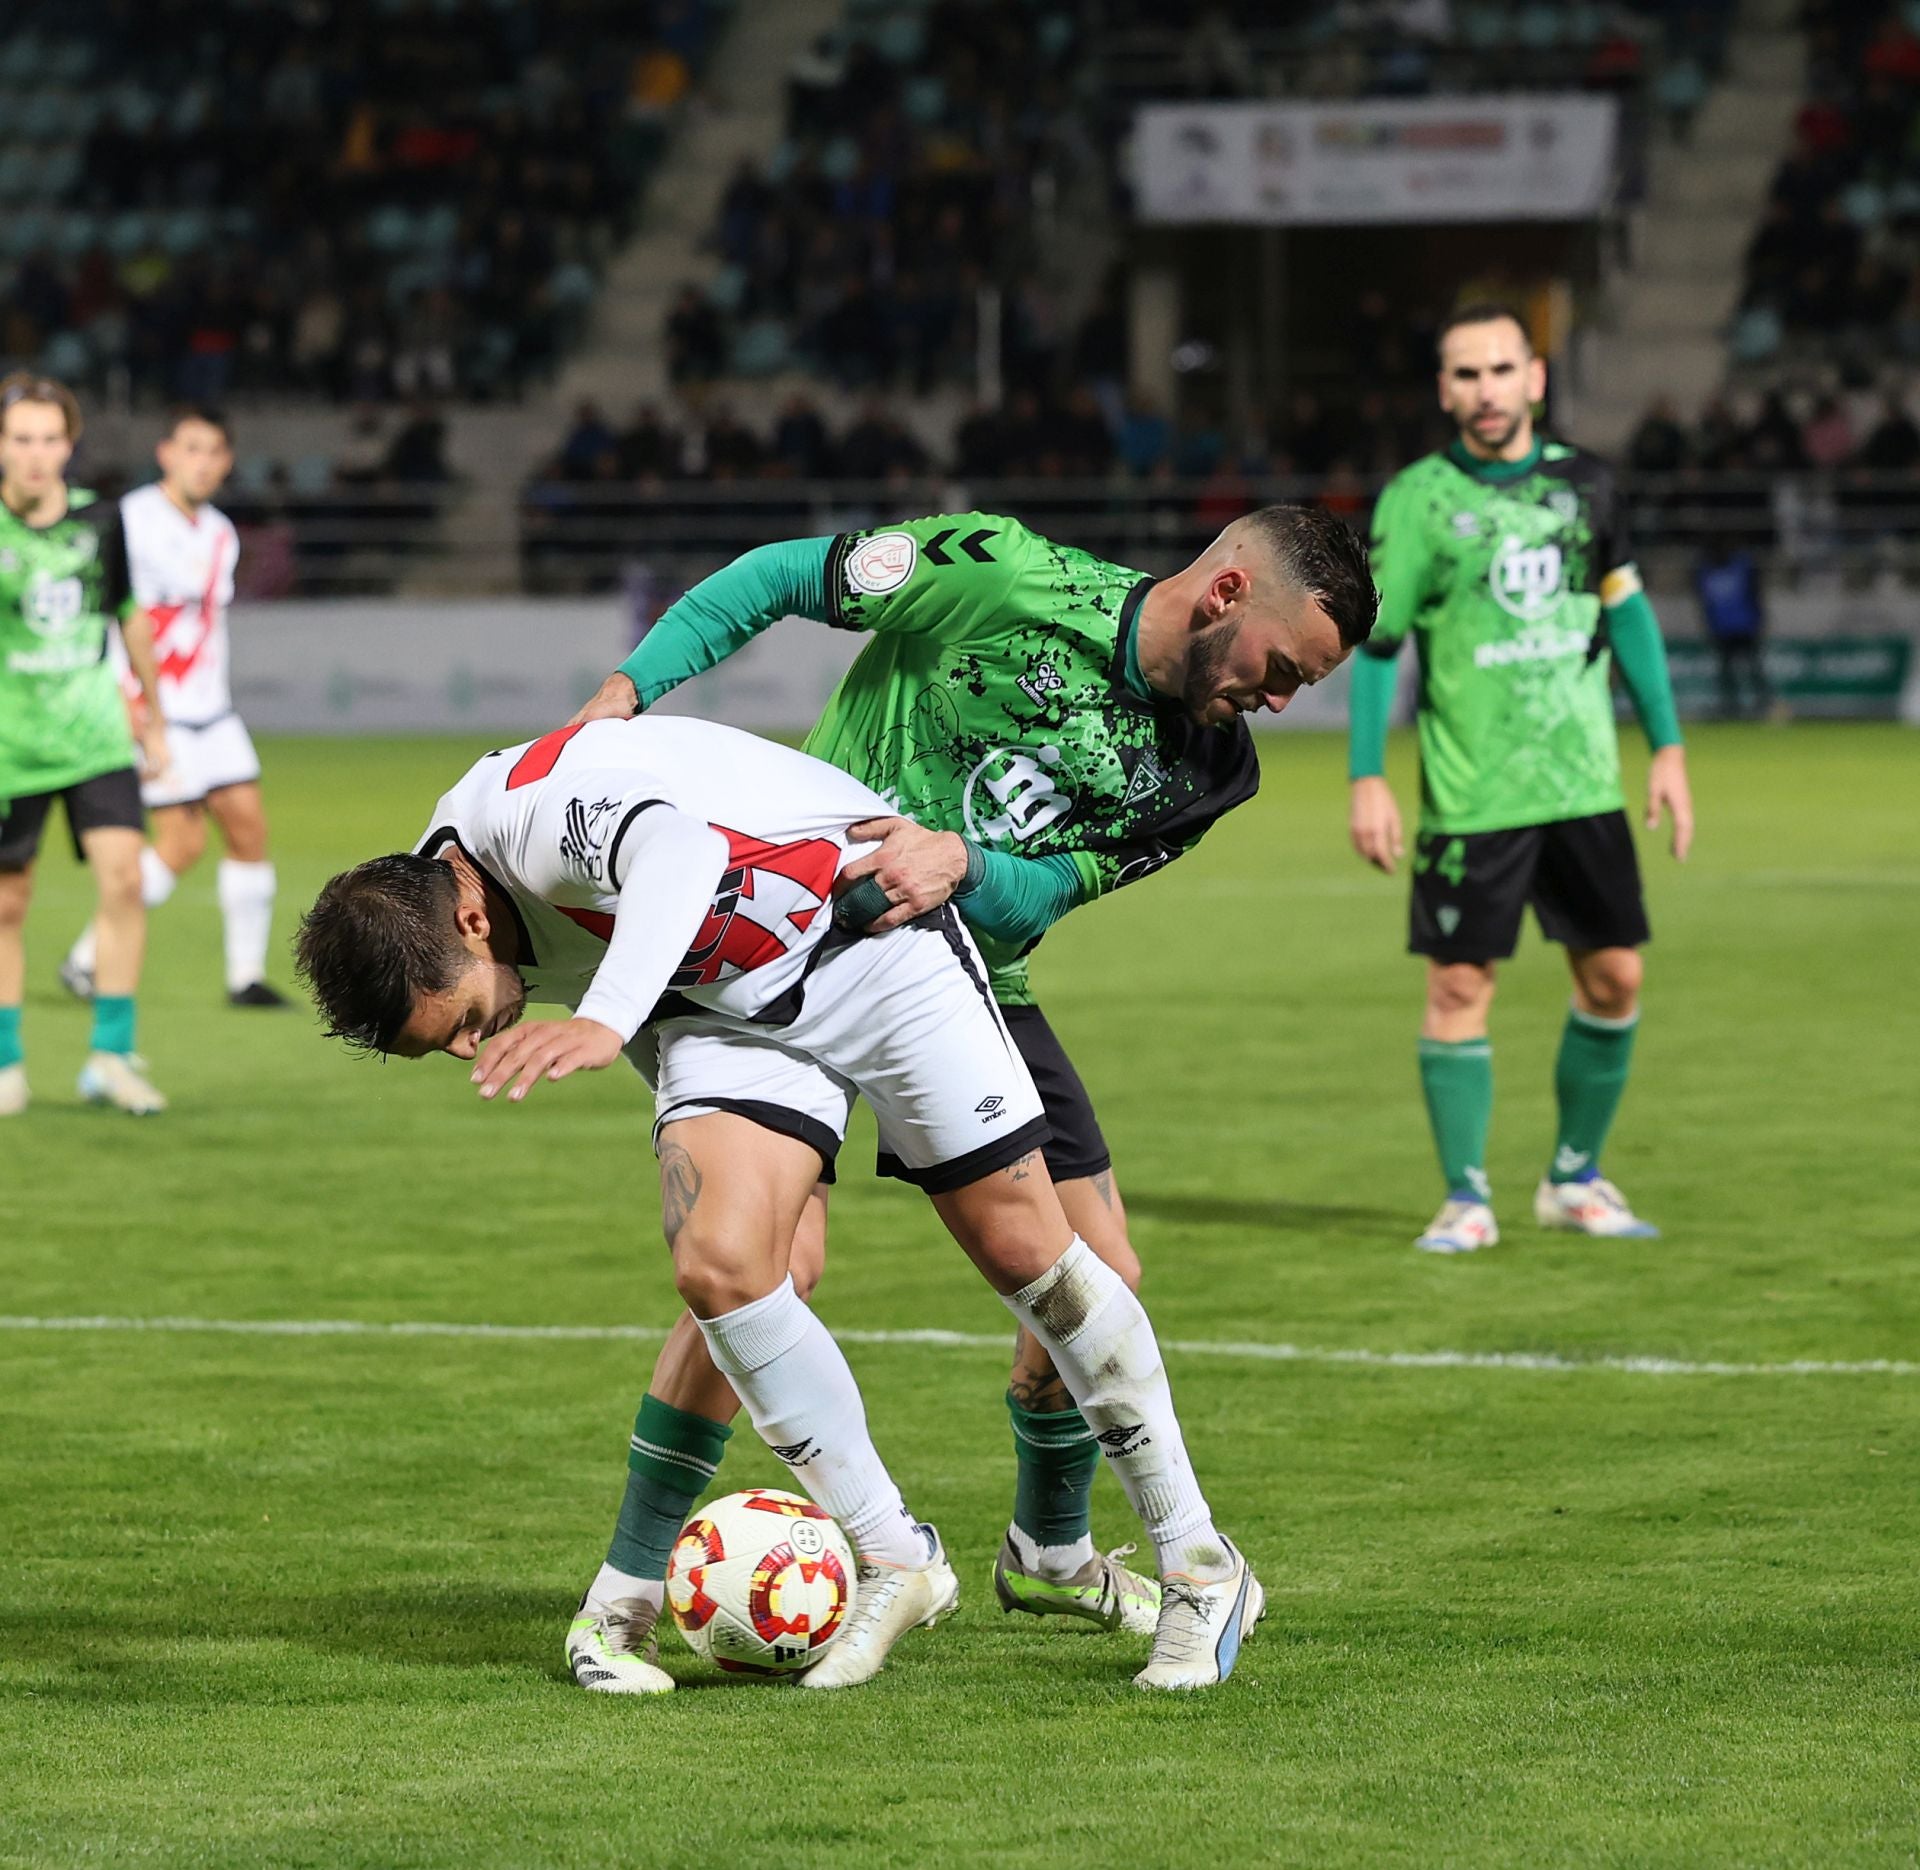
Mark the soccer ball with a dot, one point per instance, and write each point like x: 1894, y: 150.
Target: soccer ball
x: 761, y: 1582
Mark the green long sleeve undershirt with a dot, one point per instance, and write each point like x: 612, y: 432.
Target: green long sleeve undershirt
x: 1369, y: 706
x: 1642, y: 660
x: 1020, y: 898
x: 727, y: 611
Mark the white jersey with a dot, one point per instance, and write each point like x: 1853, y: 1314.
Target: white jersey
x: 182, y: 574
x: 659, y: 855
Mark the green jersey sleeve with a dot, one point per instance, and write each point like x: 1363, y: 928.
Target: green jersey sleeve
x: 947, y: 578
x: 1401, y: 563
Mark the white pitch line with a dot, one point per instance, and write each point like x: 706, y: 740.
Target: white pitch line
x: 1546, y: 1362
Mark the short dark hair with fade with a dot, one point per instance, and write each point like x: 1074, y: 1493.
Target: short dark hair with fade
x: 377, y: 937
x: 197, y: 412
x: 1320, y: 553
x: 1482, y: 312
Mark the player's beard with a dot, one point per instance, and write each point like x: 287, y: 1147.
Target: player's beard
x: 1208, y: 653
x: 1497, y: 439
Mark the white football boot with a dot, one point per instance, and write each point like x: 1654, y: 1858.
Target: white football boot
x: 120, y: 1079
x: 1595, y: 1208
x: 614, y: 1649
x: 888, y: 1601
x: 13, y: 1090
x: 1202, y: 1625
x: 76, y: 979
x: 1461, y: 1226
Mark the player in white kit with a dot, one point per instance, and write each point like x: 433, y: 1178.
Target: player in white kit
x: 672, y: 881
x: 182, y: 550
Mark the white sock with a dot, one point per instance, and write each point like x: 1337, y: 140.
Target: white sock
x: 246, y: 903
x: 84, y: 950
x: 806, y: 1407
x: 1102, y: 1344
x: 1055, y: 1563
x: 156, y: 880
x: 610, y: 1586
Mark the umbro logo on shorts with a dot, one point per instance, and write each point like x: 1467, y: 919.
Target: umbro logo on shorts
x: 1123, y: 1438
x: 991, y: 1109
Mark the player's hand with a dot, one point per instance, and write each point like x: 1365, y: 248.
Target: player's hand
x: 1668, y: 791
x: 548, y: 1048
x: 1374, y: 823
x: 155, y: 755
x: 616, y: 699
x: 917, y: 869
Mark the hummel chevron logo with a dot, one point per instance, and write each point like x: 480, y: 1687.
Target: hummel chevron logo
x: 974, y: 545
x: 796, y: 1453
x: 1120, y: 1439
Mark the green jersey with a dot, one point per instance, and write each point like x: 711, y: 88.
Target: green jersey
x: 995, y: 701
x: 1503, y: 573
x: 62, y: 718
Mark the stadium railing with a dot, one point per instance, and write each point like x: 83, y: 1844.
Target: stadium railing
x: 575, y: 537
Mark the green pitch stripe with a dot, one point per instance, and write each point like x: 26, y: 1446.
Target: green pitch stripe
x: 1250, y: 1352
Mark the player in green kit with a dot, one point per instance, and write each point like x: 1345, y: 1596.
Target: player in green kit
x: 1506, y: 560
x: 1049, y: 726
x: 64, y: 734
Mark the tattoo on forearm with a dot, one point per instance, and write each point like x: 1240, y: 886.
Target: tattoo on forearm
x: 680, y: 1185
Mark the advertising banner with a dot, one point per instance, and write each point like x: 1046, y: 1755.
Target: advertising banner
x: 1509, y: 158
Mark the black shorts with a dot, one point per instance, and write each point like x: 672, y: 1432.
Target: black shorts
x: 1581, y: 875
x: 107, y: 802
x: 1077, y: 1149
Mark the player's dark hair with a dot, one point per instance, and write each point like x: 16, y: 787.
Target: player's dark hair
x: 1482, y: 312
x: 378, y: 936
x: 1319, y: 553
x: 197, y: 412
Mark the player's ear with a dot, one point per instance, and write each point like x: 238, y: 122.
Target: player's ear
x: 1536, y: 379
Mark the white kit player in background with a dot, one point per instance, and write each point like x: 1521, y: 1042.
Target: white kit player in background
x: 672, y: 882
x: 182, y: 551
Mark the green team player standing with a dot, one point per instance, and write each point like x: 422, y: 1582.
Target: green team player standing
x: 1049, y: 726
x: 1506, y: 559
x: 64, y: 734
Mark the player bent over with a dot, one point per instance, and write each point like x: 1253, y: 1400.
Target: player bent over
x: 63, y: 729
x: 1506, y: 559
x: 181, y: 551
x: 671, y: 881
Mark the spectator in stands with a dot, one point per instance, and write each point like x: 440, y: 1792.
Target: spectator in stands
x: 696, y: 344
x: 1828, y: 435
x: 1732, y: 605
x: 1659, y: 444
x: 1893, y: 445
x: 650, y: 452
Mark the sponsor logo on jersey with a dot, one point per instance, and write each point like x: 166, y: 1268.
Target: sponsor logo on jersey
x: 1014, y: 794
x: 583, y: 840
x: 50, y: 605
x: 881, y: 564
x: 765, y: 903
x: 1041, y: 684
x: 1466, y: 525
x: 1564, y: 504
x: 1527, y: 580
x: 1149, y: 776
x: 1535, y: 646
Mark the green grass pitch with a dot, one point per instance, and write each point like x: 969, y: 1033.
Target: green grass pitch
x: 299, y: 1600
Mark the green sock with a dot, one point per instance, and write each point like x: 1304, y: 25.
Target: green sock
x: 1058, y: 1456
x: 1457, y: 1077
x: 674, y: 1455
x: 11, y: 1050
x: 113, y: 1022
x: 1588, y: 1077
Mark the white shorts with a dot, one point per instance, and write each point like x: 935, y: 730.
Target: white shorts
x: 904, y: 1020
x: 204, y: 759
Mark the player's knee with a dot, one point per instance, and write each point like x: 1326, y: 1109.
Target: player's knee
x: 1117, y: 1250
x: 809, y: 1259
x: 118, y: 880
x: 1609, y: 983
x: 713, y: 1274
x: 1459, y: 987
x: 16, y: 891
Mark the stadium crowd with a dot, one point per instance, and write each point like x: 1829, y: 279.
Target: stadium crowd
x: 416, y: 202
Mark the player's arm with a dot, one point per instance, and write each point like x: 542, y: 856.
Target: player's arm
x: 1640, y: 654
x: 1003, y: 896
x: 1400, y: 573
x: 661, y: 868
x: 136, y: 632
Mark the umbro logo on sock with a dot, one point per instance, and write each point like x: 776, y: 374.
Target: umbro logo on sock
x: 796, y: 1453
x: 1121, y: 1439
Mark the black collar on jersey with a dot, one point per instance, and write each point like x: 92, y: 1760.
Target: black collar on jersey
x: 436, y: 841
x: 1126, y: 645
x: 1470, y: 463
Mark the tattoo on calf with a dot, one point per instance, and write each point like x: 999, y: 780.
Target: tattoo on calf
x: 680, y: 1184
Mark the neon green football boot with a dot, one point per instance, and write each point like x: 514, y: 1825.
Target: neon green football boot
x: 1102, y: 1591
